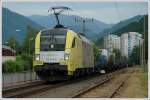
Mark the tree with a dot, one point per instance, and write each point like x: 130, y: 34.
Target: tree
x: 137, y: 27
x: 97, y: 52
x: 29, y: 40
x: 14, y: 44
x: 117, y: 53
x: 11, y: 42
x: 100, y: 42
x: 135, y: 55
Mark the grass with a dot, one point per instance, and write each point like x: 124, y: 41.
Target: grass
x: 144, y: 83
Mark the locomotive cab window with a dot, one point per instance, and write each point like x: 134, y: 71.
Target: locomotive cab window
x: 73, y: 43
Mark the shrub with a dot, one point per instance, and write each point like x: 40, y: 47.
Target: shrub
x: 20, y: 62
x: 23, y: 62
x: 20, y: 66
x: 18, y: 58
x: 14, y: 66
x: 10, y: 66
x: 26, y: 57
x: 28, y: 61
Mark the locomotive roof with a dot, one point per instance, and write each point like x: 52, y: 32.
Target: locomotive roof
x: 63, y: 31
x: 60, y: 31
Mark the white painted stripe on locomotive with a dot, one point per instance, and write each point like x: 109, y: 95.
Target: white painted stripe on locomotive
x: 51, y: 56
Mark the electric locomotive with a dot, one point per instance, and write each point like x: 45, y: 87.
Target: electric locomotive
x: 61, y: 53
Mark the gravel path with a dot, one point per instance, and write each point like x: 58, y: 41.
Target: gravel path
x: 68, y: 90
x: 132, y: 88
x: 106, y: 90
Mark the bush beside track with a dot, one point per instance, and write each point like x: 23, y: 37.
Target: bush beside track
x: 23, y: 63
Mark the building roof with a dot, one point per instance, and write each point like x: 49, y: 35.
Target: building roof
x: 8, y: 48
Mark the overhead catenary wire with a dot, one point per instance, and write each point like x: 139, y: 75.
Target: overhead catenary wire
x: 118, y: 15
x: 83, y: 21
x: 83, y: 15
x: 57, y: 11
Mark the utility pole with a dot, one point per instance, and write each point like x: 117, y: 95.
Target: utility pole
x: 83, y: 21
x: 30, y: 39
x: 144, y: 41
x: 14, y: 47
x: 144, y: 44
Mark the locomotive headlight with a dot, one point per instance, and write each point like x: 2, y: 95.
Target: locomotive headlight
x: 66, y: 56
x: 37, y: 57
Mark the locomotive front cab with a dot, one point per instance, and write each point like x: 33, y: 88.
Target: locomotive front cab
x: 52, y: 53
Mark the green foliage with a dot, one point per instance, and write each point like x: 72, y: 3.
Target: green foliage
x: 29, y: 40
x: 13, y: 66
x: 135, y: 55
x: 26, y: 57
x: 117, y: 53
x: 144, y: 83
x: 14, y: 44
x: 96, y: 51
x: 22, y: 63
x: 9, y: 66
x: 11, y: 42
x: 28, y: 61
x: 100, y: 42
x: 137, y: 27
x: 13, y: 21
x: 134, y: 27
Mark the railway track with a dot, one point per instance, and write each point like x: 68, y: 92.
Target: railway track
x: 12, y: 91
x: 23, y: 85
x: 76, y: 87
x: 118, y: 87
x: 110, y: 94
x: 28, y: 90
x: 92, y: 87
x: 36, y: 88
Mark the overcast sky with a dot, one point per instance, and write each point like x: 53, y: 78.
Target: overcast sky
x: 108, y: 12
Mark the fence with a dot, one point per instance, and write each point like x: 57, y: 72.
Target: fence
x: 11, y: 79
x: 22, y: 64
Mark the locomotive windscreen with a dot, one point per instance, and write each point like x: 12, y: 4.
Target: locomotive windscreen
x: 53, y: 40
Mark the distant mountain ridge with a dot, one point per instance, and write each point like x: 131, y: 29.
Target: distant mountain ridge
x: 136, y: 26
x: 126, y: 22
x: 118, y: 26
x: 12, y: 21
x: 95, y: 30
x: 133, y: 26
x: 49, y: 21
